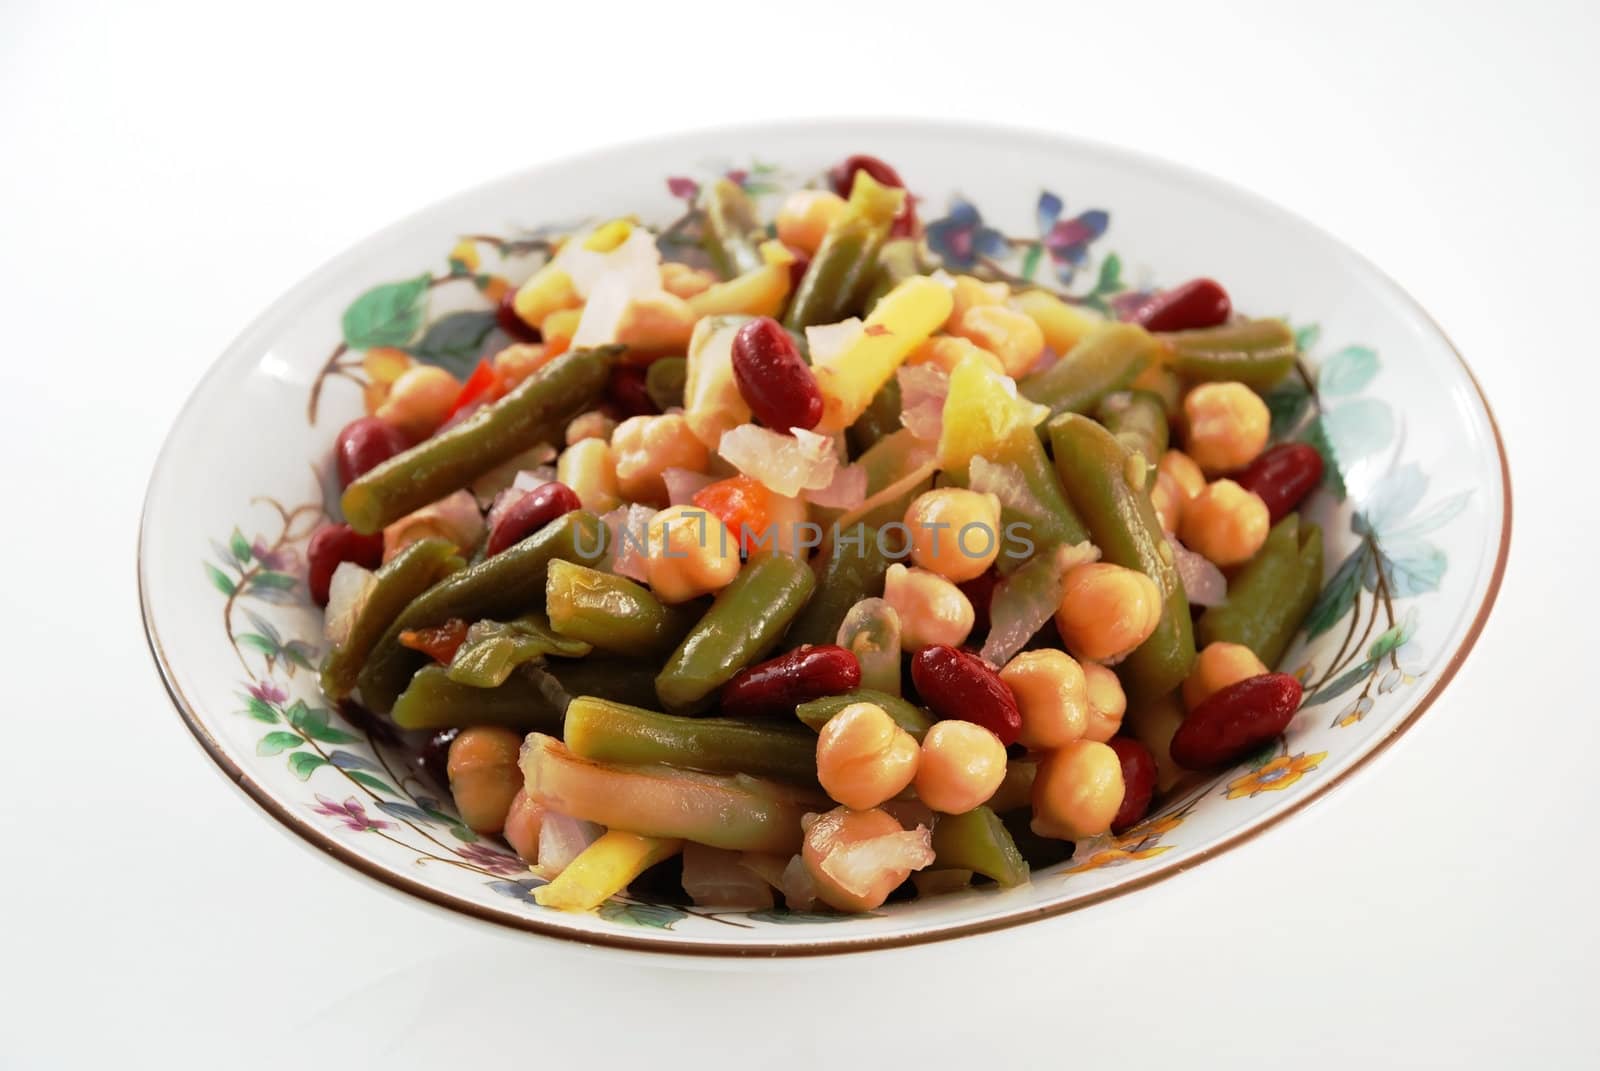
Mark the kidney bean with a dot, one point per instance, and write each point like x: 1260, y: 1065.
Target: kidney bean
x: 335, y: 543
x: 773, y: 379
x: 505, y: 314
x: 778, y: 685
x: 843, y: 176
x: 958, y: 684
x: 1196, y: 303
x: 530, y: 513
x: 434, y: 758
x: 980, y: 593
x: 1283, y: 476
x: 1235, y: 721
x: 1138, y: 781
x: 628, y: 393
x: 365, y: 444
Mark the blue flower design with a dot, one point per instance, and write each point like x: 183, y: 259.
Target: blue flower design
x: 960, y: 238
x: 1068, y: 240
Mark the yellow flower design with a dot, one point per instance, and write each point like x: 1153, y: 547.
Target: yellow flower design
x: 1275, y: 776
x: 1139, y: 842
x: 464, y: 257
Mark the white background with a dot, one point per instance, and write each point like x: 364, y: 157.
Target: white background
x: 166, y: 172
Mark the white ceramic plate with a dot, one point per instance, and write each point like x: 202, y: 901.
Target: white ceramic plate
x: 1416, y: 543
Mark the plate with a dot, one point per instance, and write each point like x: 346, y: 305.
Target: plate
x: 1416, y: 510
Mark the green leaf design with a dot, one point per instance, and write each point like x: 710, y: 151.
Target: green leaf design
x: 239, y: 547
x: 1265, y: 754
x: 1347, y: 371
x: 1358, y: 429
x: 782, y: 916
x: 1110, y: 280
x: 1341, y: 684
x: 302, y: 763
x: 269, y: 579
x: 1307, y: 336
x: 1390, y: 639
x: 387, y: 315
x: 1411, y: 567
x: 371, y: 782
x: 300, y: 653
x: 277, y: 743
x: 1287, y: 402
x: 261, y: 710
x: 1340, y: 594
x: 264, y: 627
x: 454, y: 342
x: 259, y: 643
x: 220, y: 580
x: 1030, y: 262
x: 313, y: 721
x: 1332, y: 478
x: 654, y: 916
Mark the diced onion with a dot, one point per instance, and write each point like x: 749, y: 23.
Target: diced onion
x: 847, y: 491
x: 1203, y: 582
x: 825, y: 342
x: 858, y: 867
x: 562, y: 839
x: 348, y: 592
x: 923, y: 390
x: 628, y: 527
x: 454, y: 517
x: 1028, y: 598
x: 1006, y: 482
x: 715, y: 877
x: 682, y: 484
x: 785, y: 464
x: 799, y: 890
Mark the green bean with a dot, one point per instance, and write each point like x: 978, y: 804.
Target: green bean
x: 1138, y: 418
x: 1049, y: 519
x: 537, y: 410
x: 886, y: 462
x: 1256, y: 353
x: 1272, y: 594
x: 1040, y: 852
x: 880, y: 419
x: 614, y: 732
x: 621, y: 680
x: 1107, y: 485
x: 400, y: 580
x: 613, y: 613
x: 433, y: 701
x: 731, y: 232
x: 744, y: 623
x: 978, y: 841
x: 1108, y: 358
x: 493, y: 649
x: 850, y: 569
x: 506, y: 585
x: 897, y: 262
x: 910, y: 717
x: 664, y: 380
x: 836, y: 282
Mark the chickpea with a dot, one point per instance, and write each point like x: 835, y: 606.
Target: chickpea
x: 1010, y: 335
x: 839, y: 829
x: 646, y: 446
x: 588, y: 468
x: 1225, y: 523
x: 805, y: 217
x: 1107, y: 702
x: 1218, y: 666
x: 864, y: 758
x: 420, y: 400
x: 684, y: 280
x: 1184, y: 472
x: 1227, y: 426
x: 954, y: 532
x: 1106, y: 610
x: 1077, y: 791
x: 591, y: 425
x: 961, y: 766
x: 523, y: 820
x: 1053, y: 695
x: 1168, y: 499
x: 484, y: 775
x: 968, y: 292
x: 931, y: 609
x: 690, y: 553
x: 517, y: 362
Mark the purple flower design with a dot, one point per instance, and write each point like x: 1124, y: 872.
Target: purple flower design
x: 960, y: 238
x: 1068, y: 240
x: 350, y: 812
x: 492, y: 859
x: 1129, y: 302
x: 282, y: 560
x: 686, y: 189
x: 268, y: 692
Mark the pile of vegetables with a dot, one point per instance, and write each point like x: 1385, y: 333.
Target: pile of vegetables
x: 823, y: 575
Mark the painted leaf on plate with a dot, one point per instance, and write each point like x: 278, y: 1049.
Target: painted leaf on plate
x: 277, y: 743
x: 386, y: 315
